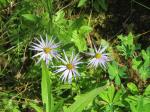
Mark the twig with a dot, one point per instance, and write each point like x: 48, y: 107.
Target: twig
x: 141, y: 4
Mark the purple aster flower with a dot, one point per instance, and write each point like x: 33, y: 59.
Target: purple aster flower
x: 99, y: 57
x: 46, y: 49
x: 69, y: 67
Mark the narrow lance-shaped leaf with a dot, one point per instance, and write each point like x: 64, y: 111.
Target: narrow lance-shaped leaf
x: 46, y: 89
x: 30, y: 17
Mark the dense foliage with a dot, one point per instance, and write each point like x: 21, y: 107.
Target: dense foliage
x: 113, y: 74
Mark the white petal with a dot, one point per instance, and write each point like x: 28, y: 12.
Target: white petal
x: 66, y: 58
x: 77, y: 63
x: 60, y: 70
x: 95, y: 49
x: 59, y: 66
x: 52, y: 39
x: 71, y: 59
x: 47, y: 61
x: 43, y: 45
x: 55, y: 45
x: 75, y: 73
x: 36, y: 48
x: 91, y: 54
x: 64, y: 75
x: 70, y: 77
x: 103, y: 49
x: 38, y: 45
x: 42, y: 57
x: 76, y: 59
x: 37, y: 54
x: 47, y: 42
x: 62, y: 60
x: 42, y: 41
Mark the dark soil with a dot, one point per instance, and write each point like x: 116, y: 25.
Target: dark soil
x: 128, y: 16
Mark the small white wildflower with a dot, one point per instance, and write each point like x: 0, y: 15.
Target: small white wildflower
x: 69, y: 67
x: 99, y: 57
x: 46, y: 49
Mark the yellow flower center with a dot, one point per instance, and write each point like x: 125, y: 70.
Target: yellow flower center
x: 98, y: 55
x: 69, y: 66
x: 47, y: 50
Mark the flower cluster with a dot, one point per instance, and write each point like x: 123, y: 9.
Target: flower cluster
x: 48, y: 49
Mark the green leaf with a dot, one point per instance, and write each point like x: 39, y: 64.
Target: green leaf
x: 30, y: 17
x: 146, y: 56
x: 111, y: 92
x: 59, y: 18
x: 133, y: 88
x: 15, y: 110
x: 117, y: 80
x: 147, y: 90
x: 79, y: 41
x: 58, y: 106
x: 111, y: 98
x: 84, y: 100
x: 85, y: 29
x: 126, y: 46
x: 103, y: 4
x: 35, y: 106
x: 146, y: 107
x: 116, y: 72
x: 140, y: 104
x: 3, y: 3
x: 135, y: 63
x: 111, y: 71
x: 118, y: 97
x: 104, y: 96
x: 81, y: 3
x: 46, y: 89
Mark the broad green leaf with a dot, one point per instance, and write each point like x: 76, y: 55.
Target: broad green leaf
x: 111, y: 71
x: 84, y: 30
x: 140, y: 104
x: 46, y: 89
x: 117, y: 80
x: 135, y: 63
x: 147, y: 90
x: 83, y: 100
x: 132, y: 100
x: 59, y: 18
x: 144, y: 72
x: 111, y: 92
x: 116, y: 72
x: 30, y: 17
x: 127, y: 46
x: 146, y: 107
x: 111, y: 98
x: 130, y: 39
x: 81, y: 3
x: 15, y: 110
x: 79, y: 41
x: 146, y: 56
x: 104, y: 96
x: 117, y: 97
x: 133, y: 88
x: 105, y: 43
x: 79, y: 37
